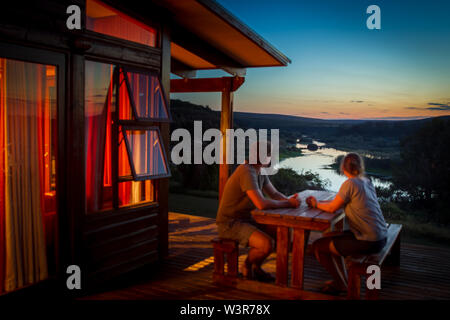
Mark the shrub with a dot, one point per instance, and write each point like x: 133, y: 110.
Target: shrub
x: 288, y: 181
x: 391, y: 211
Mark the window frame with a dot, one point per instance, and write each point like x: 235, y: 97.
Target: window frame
x: 125, y: 70
x: 136, y: 177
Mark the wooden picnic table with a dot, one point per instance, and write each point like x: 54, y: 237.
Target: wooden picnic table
x: 302, y: 220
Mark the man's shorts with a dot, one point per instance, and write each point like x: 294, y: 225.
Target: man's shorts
x: 240, y: 230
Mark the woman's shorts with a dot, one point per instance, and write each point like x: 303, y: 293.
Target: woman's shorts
x: 240, y: 230
x: 347, y: 244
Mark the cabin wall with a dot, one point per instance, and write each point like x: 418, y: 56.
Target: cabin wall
x: 109, y: 243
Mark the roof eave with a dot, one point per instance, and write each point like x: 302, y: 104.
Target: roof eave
x: 232, y: 20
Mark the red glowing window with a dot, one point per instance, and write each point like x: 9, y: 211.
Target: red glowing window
x: 121, y: 155
x: 104, y: 19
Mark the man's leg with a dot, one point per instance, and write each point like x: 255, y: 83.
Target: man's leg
x: 269, y: 229
x: 260, y: 247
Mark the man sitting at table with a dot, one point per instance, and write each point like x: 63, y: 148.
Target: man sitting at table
x: 242, y: 193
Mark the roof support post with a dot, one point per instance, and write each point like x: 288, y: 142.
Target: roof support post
x: 227, y: 86
x: 226, y: 122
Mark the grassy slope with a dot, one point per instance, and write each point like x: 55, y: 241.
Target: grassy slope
x: 194, y: 205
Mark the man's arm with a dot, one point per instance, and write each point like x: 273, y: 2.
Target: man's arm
x: 272, y: 192
x: 262, y: 203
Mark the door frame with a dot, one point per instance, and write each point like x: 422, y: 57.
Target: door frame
x: 58, y: 59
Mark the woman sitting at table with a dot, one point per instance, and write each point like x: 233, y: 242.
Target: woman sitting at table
x: 367, y: 232
x: 242, y: 193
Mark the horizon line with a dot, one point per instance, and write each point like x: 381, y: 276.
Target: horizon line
x: 393, y: 118
x: 388, y: 118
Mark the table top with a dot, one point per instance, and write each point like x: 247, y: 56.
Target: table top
x: 303, y: 216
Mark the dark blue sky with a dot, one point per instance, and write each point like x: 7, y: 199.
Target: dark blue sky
x: 341, y: 69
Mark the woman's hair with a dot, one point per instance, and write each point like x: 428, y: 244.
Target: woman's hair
x: 353, y: 164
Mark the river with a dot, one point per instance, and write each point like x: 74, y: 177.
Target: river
x: 318, y: 162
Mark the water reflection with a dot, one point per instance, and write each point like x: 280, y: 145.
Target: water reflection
x: 319, y: 162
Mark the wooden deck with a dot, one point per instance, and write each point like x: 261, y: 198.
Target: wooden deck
x: 186, y: 274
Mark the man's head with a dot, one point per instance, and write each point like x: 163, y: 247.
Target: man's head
x: 260, y: 153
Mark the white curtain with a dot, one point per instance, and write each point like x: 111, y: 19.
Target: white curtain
x: 26, y: 95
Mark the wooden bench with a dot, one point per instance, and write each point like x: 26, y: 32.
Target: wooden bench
x: 227, y: 247
x: 230, y: 248
x: 357, y: 265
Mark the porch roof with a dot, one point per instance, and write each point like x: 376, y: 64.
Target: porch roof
x: 207, y: 36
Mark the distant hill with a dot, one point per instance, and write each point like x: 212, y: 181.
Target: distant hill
x: 191, y: 111
x: 274, y: 116
x: 289, y: 120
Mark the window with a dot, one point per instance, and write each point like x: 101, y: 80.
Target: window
x: 106, y: 20
x: 141, y: 97
x: 145, y: 152
x: 124, y: 150
x: 148, y: 97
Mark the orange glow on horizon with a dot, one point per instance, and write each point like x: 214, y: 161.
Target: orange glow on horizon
x: 348, y: 109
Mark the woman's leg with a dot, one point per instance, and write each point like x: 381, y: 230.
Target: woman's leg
x: 327, y: 255
x: 339, y: 263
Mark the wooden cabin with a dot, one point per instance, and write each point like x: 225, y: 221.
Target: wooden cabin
x: 84, y: 126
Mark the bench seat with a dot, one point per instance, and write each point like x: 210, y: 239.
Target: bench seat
x: 357, y: 265
x: 225, y: 250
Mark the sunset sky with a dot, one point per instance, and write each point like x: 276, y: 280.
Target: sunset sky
x: 340, y: 69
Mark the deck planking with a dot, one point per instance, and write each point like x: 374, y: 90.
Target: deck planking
x: 423, y: 274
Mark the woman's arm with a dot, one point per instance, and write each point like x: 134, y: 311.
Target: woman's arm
x: 262, y: 203
x: 328, y: 206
